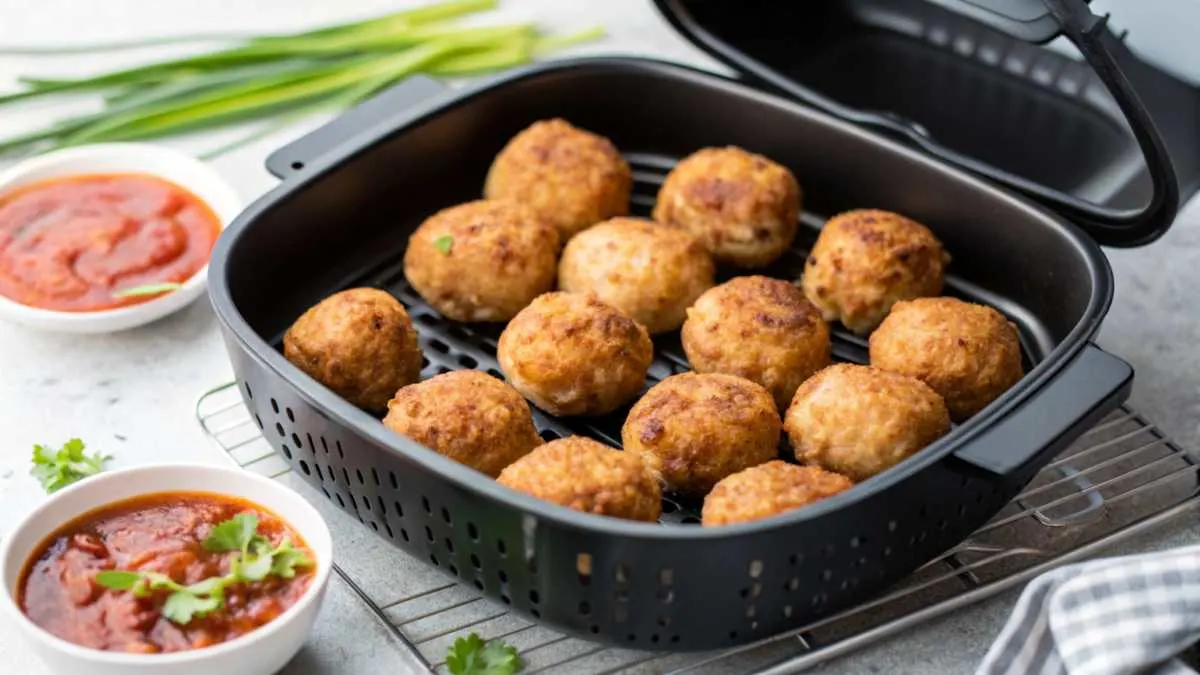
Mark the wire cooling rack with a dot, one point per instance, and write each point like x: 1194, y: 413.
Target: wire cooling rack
x: 1122, y: 477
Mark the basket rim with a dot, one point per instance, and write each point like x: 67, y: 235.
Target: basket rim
x: 369, y: 428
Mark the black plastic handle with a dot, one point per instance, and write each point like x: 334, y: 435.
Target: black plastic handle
x: 391, y: 105
x: 1086, y: 390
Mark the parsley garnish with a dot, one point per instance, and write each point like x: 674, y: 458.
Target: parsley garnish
x: 148, y: 289
x: 59, y: 468
x: 472, y: 656
x: 444, y: 244
x: 255, y: 561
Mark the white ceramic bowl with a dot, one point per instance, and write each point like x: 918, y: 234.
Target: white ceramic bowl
x: 171, y: 165
x: 260, y: 652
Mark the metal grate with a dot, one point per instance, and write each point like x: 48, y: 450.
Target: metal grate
x: 1122, y: 477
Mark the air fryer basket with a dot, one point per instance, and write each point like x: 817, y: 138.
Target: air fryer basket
x: 356, y: 189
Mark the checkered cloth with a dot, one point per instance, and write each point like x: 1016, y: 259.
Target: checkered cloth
x: 1132, y: 614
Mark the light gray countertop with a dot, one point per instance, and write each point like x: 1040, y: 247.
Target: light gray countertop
x: 132, y: 394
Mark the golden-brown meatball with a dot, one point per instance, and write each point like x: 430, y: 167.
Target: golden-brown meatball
x: 743, y: 206
x: 970, y: 354
x: 758, y: 328
x: 768, y: 490
x: 482, y: 261
x: 571, y: 354
x: 702, y: 428
x: 585, y: 475
x: 650, y: 272
x: 360, y: 343
x: 571, y: 177
x: 468, y: 416
x: 858, y: 420
x: 865, y: 261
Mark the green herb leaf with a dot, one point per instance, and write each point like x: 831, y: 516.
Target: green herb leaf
x: 255, y: 569
x: 148, y: 289
x: 58, y: 469
x: 287, y: 559
x: 234, y: 534
x: 181, y: 607
x: 118, y: 580
x: 470, y: 655
x: 444, y: 243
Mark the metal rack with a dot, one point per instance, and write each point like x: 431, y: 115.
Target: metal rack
x: 1122, y: 477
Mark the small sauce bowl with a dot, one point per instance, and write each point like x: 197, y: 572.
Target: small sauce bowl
x: 161, y: 162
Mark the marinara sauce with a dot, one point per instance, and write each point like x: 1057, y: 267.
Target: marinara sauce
x: 70, y: 244
x: 154, y: 533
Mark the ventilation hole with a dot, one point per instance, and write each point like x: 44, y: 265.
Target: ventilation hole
x: 621, y: 595
x: 358, y: 473
x: 750, y: 611
x: 795, y: 558
x: 733, y: 635
x: 446, y: 516
x: 466, y: 361
x: 475, y: 562
x: 756, y: 569
x: 472, y: 532
x: 332, y: 475
x: 533, y: 566
x: 291, y: 418
x: 324, y: 445
x: 339, y: 500
x: 826, y: 575
x: 585, y: 608
x: 495, y: 373
x: 387, y: 527
x: 382, y: 506
x: 312, y: 447
x: 304, y: 468
x: 666, y: 576
x: 374, y: 476
x: 505, y: 599
x: 425, y: 505
x: 978, y: 497
x: 583, y: 565
x: 449, y: 544
x: 258, y: 421
x: 691, y: 520
x: 819, y: 599
x: 404, y: 534
x: 366, y: 502
x: 453, y: 569
x: 855, y: 542
x: 249, y: 394
x: 296, y: 166
x: 533, y: 597
x: 374, y: 526
x: 275, y: 406
x: 341, y: 454
x: 631, y: 637
x: 286, y: 451
x: 427, y: 319
x: 536, y: 614
x: 792, y: 584
x: 666, y: 595
x: 753, y: 625
x: 433, y: 559
x: 674, y: 639
x: 664, y: 621
x: 439, y: 346
x: 654, y: 638
x: 428, y: 534
x: 595, y: 629
x: 279, y: 429
x: 669, y: 506
x: 845, y: 584
x: 891, y: 526
x: 745, y: 593
x: 755, y: 590
x: 621, y: 573
x: 502, y: 575
x: 962, y: 510
x: 787, y: 611
x: 346, y: 476
x: 327, y: 495
x: 942, y: 524
x: 550, y: 435
x: 923, y: 513
x: 479, y: 584
x: 392, y: 479
x: 501, y: 547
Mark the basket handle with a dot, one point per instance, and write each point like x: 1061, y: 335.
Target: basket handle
x: 1087, y: 389
x: 391, y: 106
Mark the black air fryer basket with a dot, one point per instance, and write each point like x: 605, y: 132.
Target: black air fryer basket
x: 354, y: 190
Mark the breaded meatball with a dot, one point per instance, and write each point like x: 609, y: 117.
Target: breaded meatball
x: 360, y: 343
x: 758, y: 328
x: 743, y: 206
x: 650, y: 272
x: 865, y: 261
x: 587, y: 476
x: 702, y: 428
x: 768, y: 490
x: 970, y: 354
x: 468, y: 416
x: 571, y: 354
x: 858, y: 420
x: 570, y: 177
x: 482, y: 261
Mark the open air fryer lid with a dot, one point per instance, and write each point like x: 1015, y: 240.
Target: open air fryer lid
x: 1102, y: 137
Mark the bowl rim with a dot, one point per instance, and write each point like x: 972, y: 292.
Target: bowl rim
x: 35, y: 632
x: 218, y: 193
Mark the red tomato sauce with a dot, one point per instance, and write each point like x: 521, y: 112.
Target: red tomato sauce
x: 155, y: 533
x: 69, y: 244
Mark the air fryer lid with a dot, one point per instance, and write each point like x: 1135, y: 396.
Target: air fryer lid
x: 962, y: 80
